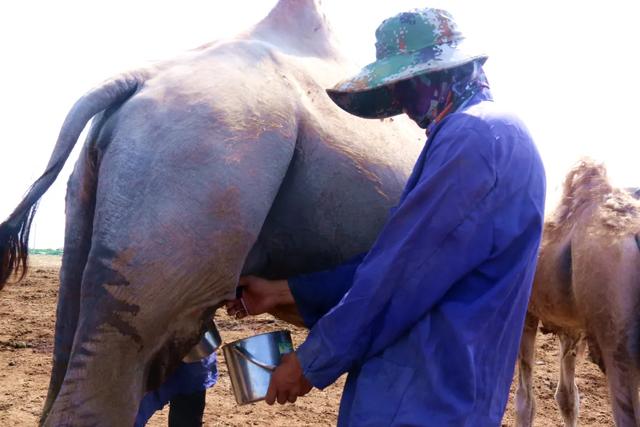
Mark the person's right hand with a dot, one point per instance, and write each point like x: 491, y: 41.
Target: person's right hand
x: 259, y: 296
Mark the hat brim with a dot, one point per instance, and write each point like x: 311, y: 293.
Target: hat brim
x: 368, y: 94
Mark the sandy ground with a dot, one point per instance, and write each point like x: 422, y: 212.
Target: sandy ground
x: 27, y: 317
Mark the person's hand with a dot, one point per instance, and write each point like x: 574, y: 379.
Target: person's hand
x: 287, y: 381
x: 259, y: 296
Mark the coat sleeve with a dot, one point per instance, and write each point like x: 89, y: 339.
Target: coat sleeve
x: 429, y: 243
x: 317, y: 293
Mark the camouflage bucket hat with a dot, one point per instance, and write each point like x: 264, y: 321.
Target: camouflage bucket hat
x: 407, y: 45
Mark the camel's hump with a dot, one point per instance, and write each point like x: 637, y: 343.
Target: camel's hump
x: 298, y: 26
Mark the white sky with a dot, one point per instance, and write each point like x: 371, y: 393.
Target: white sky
x: 568, y: 68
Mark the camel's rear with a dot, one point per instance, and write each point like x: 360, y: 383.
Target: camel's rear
x: 606, y: 283
x: 181, y: 194
x: 588, y: 286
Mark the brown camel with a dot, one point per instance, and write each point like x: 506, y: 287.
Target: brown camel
x: 587, y: 290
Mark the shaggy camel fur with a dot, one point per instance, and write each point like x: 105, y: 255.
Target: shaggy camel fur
x: 587, y: 291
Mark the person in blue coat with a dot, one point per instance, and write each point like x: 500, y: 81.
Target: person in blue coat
x: 427, y: 323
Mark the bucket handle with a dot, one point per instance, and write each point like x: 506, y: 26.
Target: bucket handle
x: 248, y: 356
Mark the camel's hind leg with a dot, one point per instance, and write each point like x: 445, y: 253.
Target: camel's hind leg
x: 567, y: 395
x: 79, y: 212
x: 179, y: 204
x: 525, y: 399
x: 622, y: 379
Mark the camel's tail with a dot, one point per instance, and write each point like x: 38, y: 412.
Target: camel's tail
x: 14, y: 232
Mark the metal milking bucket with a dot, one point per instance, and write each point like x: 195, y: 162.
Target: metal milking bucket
x: 251, y: 362
x: 209, y: 343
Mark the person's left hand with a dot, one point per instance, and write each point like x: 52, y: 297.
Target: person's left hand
x: 287, y: 381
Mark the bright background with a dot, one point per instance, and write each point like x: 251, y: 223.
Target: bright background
x: 568, y: 68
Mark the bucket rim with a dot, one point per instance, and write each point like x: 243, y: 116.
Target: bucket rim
x: 286, y: 331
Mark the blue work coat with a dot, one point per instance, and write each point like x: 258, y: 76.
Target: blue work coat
x: 188, y: 378
x: 428, y: 322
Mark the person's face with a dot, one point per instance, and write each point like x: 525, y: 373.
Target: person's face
x: 415, y: 97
